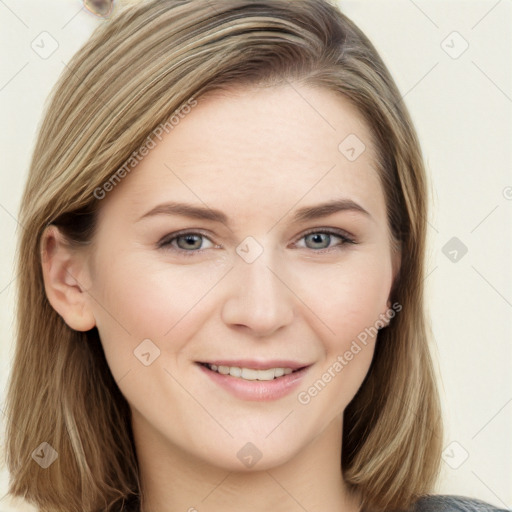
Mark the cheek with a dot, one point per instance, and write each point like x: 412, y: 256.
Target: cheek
x: 135, y: 302
x: 347, y: 297
x: 348, y: 303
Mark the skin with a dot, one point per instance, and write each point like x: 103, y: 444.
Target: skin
x: 258, y: 155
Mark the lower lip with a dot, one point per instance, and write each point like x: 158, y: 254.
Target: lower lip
x: 257, y: 390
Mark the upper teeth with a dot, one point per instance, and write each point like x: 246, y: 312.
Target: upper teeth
x: 249, y: 373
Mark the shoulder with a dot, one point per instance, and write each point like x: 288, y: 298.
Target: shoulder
x: 449, y: 503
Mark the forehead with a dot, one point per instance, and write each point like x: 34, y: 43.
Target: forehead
x: 280, y: 144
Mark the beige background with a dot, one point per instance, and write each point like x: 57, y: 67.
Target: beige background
x: 461, y: 102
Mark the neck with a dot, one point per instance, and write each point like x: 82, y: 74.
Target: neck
x: 311, y: 480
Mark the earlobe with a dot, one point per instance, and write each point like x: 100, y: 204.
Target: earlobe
x: 65, y: 280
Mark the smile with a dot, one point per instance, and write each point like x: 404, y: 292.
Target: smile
x: 272, y: 381
x: 250, y: 373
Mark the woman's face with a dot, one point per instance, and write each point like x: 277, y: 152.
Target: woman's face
x: 259, y: 274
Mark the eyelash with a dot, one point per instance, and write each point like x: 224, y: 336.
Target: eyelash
x: 165, y: 243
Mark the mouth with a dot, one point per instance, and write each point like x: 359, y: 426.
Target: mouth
x: 252, y: 374
x: 255, y: 380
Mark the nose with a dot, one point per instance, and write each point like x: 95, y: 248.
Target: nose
x: 258, y: 299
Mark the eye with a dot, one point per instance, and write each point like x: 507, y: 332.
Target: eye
x: 187, y: 243
x: 190, y: 243
x: 320, y: 240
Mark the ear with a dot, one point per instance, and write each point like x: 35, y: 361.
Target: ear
x: 65, y: 280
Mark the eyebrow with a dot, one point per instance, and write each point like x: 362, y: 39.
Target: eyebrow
x: 301, y: 215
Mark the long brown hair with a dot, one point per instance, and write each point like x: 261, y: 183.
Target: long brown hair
x: 133, y: 73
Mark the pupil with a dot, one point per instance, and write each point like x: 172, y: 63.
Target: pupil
x: 317, y: 238
x: 191, y: 240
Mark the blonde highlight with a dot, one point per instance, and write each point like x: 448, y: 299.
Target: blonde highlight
x: 137, y: 69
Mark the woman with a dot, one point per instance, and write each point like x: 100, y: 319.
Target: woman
x: 220, y: 292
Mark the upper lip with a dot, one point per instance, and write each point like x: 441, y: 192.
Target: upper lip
x: 258, y: 364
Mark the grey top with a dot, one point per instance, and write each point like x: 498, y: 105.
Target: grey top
x: 448, y: 503
x: 430, y: 503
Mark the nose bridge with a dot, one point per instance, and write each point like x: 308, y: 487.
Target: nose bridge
x: 257, y: 297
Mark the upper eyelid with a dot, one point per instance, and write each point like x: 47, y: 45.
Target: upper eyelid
x: 172, y: 236
x: 331, y: 231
